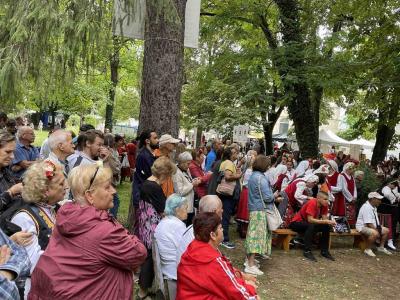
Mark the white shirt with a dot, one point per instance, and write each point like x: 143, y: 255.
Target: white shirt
x: 270, y: 174
x: 34, y: 251
x: 298, y: 195
x: 45, y: 149
x: 86, y: 160
x: 391, y: 195
x: 186, y: 239
x: 168, y: 234
x: 246, y: 176
x: 367, y: 215
x: 342, y: 185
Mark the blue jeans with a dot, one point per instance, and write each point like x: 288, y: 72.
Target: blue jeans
x: 114, y: 210
x: 228, y: 205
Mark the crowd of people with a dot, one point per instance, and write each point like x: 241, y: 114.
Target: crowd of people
x: 60, y: 238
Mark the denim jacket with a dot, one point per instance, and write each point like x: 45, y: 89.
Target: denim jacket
x: 255, y: 201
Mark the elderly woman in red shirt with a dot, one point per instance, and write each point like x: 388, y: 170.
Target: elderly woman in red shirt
x: 197, y: 172
x: 90, y: 255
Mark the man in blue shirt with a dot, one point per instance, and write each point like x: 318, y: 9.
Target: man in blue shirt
x: 25, y: 154
x: 212, y: 155
x: 14, y: 266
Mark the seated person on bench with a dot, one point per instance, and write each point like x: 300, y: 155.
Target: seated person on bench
x: 369, y: 227
x: 311, y: 219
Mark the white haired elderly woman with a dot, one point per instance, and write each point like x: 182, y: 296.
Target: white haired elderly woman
x: 43, y: 187
x: 344, y: 204
x: 184, y: 183
x: 90, y: 255
x: 168, y: 235
x: 296, y: 194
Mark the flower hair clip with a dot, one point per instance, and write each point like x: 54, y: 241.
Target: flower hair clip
x: 50, y: 169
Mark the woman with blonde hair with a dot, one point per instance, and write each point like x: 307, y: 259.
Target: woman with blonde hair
x: 90, y: 255
x: 43, y: 187
x: 148, y: 215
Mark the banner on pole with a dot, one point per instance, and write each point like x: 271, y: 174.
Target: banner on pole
x: 129, y: 20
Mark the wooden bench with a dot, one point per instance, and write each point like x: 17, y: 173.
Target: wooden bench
x: 284, y: 236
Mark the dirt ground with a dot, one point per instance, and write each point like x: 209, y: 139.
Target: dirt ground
x: 352, y: 276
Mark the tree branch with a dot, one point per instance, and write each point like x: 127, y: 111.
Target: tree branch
x: 238, y: 18
x: 267, y: 32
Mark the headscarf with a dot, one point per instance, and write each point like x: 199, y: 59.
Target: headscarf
x: 311, y: 178
x: 279, y: 170
x: 323, y: 169
x: 302, y: 168
x: 349, y: 165
x: 333, y: 164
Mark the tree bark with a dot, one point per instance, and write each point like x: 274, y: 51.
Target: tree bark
x: 385, y: 132
x: 162, y: 68
x: 268, y: 128
x: 384, y: 135
x: 114, y: 65
x: 299, y: 106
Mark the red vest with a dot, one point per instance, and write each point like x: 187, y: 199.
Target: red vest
x: 291, y: 190
x: 333, y: 179
x: 350, y: 183
x: 278, y: 183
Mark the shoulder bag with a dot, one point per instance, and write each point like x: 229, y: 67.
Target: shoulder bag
x: 226, y: 188
x: 274, y: 219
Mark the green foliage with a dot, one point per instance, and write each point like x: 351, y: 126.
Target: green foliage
x: 56, y: 57
x: 236, y: 75
x: 370, y: 183
x: 369, y: 56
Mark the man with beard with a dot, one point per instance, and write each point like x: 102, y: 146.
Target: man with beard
x: 25, y: 153
x: 148, y: 143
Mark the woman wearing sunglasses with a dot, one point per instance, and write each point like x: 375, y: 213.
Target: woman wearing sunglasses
x: 90, y: 255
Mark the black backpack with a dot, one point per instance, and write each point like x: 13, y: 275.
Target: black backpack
x: 9, y: 228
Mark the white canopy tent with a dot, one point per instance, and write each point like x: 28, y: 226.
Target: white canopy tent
x: 328, y: 137
x: 363, y: 143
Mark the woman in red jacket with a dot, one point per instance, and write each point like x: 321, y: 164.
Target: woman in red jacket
x: 204, y: 273
x: 197, y: 172
x: 90, y: 255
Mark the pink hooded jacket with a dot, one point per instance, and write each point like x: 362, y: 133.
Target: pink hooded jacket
x: 89, y: 256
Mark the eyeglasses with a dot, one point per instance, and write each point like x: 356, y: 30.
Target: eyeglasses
x: 93, y: 178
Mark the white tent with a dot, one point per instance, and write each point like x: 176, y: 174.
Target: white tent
x: 364, y: 143
x: 328, y: 137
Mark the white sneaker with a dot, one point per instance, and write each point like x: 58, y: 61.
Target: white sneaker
x: 246, y: 263
x: 384, y: 250
x: 253, y: 270
x: 264, y: 256
x: 369, y: 252
x: 390, y: 245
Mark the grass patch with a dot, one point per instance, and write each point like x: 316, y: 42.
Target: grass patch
x: 289, y: 276
x: 124, y: 193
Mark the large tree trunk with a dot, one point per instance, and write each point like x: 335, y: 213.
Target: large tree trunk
x: 384, y: 134
x: 114, y: 65
x: 300, y: 107
x: 268, y: 128
x: 162, y: 67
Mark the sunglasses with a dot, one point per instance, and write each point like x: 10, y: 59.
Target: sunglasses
x: 93, y: 178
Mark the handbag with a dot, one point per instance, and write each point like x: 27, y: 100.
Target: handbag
x: 274, y: 219
x: 226, y: 188
x: 342, y: 225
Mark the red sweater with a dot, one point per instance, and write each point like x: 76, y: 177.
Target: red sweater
x: 197, y: 172
x: 89, y: 256
x: 204, y: 274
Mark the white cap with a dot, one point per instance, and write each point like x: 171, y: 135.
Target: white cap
x: 167, y: 138
x: 375, y: 195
